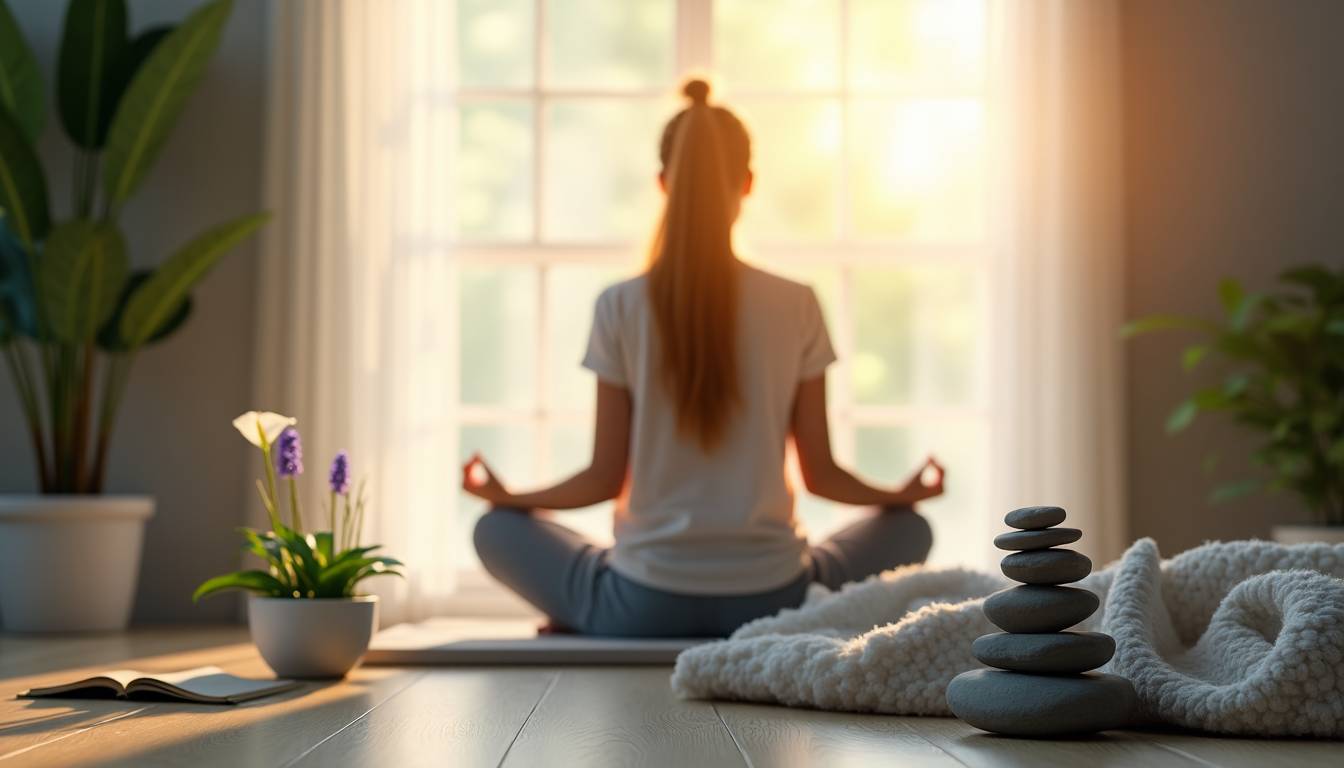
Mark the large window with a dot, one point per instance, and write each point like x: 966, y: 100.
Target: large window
x: 869, y: 122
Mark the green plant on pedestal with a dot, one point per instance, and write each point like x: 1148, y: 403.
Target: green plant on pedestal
x: 73, y: 313
x: 1284, y: 354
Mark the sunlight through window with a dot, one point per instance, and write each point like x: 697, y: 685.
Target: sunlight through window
x: 869, y: 125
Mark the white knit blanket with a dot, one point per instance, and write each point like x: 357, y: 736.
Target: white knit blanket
x: 1241, y: 637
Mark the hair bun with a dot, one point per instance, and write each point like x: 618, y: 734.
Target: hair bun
x: 697, y: 91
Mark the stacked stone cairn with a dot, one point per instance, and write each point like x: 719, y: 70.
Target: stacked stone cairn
x: 1041, y: 684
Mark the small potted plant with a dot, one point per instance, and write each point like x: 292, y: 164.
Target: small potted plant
x: 304, y: 614
x: 74, y: 314
x: 1283, y: 351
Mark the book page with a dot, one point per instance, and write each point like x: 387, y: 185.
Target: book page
x: 214, y: 683
x: 115, y: 680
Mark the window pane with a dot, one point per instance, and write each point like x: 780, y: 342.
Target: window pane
x: 510, y: 450
x: 777, y: 44
x: 571, y: 447
x: 498, y: 335
x: 494, y: 40
x: 916, y: 170
x: 888, y: 455
x: 601, y: 169
x: 933, y: 42
x: 494, y: 171
x: 610, y: 44
x: 571, y: 292
x: 795, y: 157
x: 915, y: 335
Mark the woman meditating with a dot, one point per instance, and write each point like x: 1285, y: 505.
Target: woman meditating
x: 705, y: 367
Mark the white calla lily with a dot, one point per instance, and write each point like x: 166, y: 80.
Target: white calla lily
x: 253, y: 424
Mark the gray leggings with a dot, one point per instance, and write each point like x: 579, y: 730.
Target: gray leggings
x: 567, y: 577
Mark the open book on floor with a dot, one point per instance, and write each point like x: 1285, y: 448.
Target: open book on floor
x: 202, y: 685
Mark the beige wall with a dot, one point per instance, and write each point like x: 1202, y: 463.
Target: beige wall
x: 1234, y: 128
x: 174, y: 440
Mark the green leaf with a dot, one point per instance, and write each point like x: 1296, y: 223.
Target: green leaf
x: 324, y: 546
x: 1210, y: 399
x: 1192, y: 356
x: 299, y: 545
x: 1235, y: 385
x: 133, y: 56
x: 341, y: 580
x: 156, y: 96
x: 335, y: 580
x: 23, y: 186
x: 1231, y: 491
x: 109, y: 336
x: 1336, y: 453
x: 21, y: 85
x: 18, y: 305
x: 86, y: 75
x: 1313, y: 276
x: 1335, y: 327
x: 1182, y: 416
x: 80, y: 277
x: 264, y: 546
x: 1164, y: 323
x: 353, y: 553
x: 253, y: 581
x: 153, y: 305
x: 1241, y: 316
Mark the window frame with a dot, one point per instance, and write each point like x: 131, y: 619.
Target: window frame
x: 693, y: 52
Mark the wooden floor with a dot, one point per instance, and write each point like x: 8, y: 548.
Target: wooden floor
x: 525, y: 717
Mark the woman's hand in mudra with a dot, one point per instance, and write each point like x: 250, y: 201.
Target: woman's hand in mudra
x: 480, y: 481
x: 925, y: 483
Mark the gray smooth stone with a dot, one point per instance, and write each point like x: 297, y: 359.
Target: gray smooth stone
x: 1015, y: 704
x: 1052, y: 653
x: 1030, y: 518
x: 1039, y: 539
x: 1046, y: 566
x: 1039, y: 608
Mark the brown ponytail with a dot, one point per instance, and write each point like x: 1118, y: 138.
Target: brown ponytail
x: 692, y: 276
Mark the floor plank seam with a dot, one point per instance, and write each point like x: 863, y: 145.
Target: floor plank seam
x: 362, y: 715
x: 549, y: 687
x: 745, y: 757
x: 1174, y: 750
x: 912, y: 729
x: 76, y: 732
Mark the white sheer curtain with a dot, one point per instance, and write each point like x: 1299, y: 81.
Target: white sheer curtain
x: 355, y: 305
x: 1057, y: 278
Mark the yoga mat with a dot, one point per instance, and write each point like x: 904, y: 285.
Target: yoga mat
x: 464, y: 642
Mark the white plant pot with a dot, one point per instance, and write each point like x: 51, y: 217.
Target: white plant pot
x: 312, y: 638
x: 1309, y: 534
x: 70, y: 563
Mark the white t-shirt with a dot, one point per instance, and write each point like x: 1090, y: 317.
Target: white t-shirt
x: 720, y: 523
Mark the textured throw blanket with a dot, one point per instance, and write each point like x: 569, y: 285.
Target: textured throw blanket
x: 1240, y: 637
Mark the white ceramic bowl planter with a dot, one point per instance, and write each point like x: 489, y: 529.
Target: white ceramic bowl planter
x: 70, y: 563
x: 312, y: 638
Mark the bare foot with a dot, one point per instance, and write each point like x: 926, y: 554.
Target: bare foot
x: 551, y: 627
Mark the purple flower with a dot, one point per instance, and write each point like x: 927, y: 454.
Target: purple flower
x: 289, y: 453
x: 340, y: 474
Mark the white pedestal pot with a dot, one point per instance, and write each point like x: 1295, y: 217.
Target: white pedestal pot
x: 312, y: 638
x: 70, y: 563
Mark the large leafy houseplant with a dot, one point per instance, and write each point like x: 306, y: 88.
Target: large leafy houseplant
x: 303, y: 565
x: 1283, y: 351
x: 73, y: 313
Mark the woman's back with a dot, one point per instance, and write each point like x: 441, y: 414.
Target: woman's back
x: 730, y: 505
